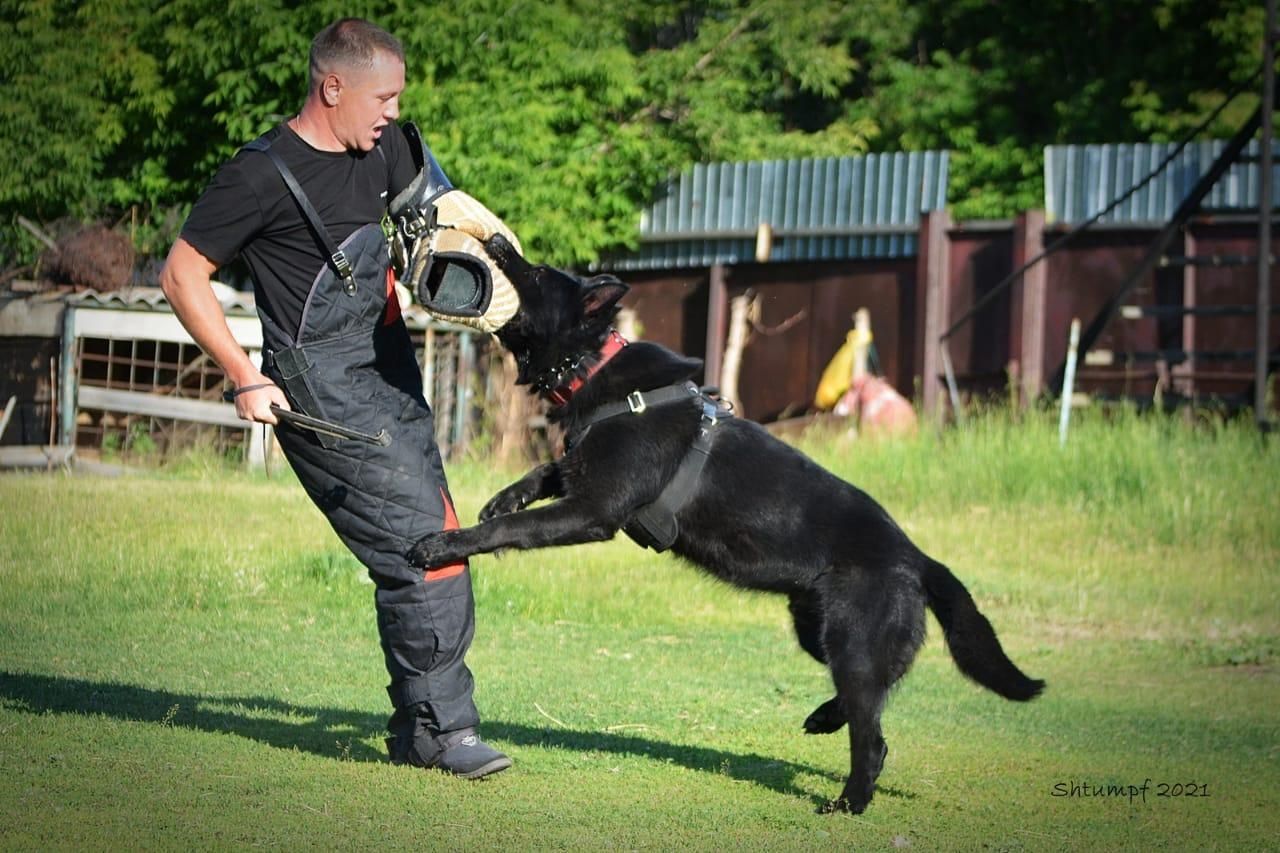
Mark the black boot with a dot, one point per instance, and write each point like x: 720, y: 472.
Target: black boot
x: 463, y: 754
x: 460, y: 752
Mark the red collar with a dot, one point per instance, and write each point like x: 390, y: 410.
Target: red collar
x: 612, y: 346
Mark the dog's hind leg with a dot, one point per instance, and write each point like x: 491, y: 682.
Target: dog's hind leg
x: 861, y: 693
x: 871, y: 640
x: 806, y: 613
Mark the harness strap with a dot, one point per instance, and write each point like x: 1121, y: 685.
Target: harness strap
x: 636, y: 402
x: 654, y: 525
x: 336, y: 256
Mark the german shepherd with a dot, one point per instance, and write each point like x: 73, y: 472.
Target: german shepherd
x: 759, y: 513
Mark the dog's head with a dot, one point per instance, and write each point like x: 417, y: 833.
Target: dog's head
x: 561, y: 316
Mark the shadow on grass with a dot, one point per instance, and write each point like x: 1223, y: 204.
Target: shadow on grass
x: 340, y: 734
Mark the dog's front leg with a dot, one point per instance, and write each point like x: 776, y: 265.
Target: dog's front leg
x: 565, y: 522
x: 540, y: 483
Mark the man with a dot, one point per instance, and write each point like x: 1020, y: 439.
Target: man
x: 302, y: 206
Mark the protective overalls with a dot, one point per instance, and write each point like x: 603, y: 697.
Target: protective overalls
x: 352, y: 362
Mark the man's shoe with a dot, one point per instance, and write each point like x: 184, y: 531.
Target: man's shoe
x: 466, y: 756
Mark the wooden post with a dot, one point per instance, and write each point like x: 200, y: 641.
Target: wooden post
x: 741, y: 308
x: 932, y: 290
x: 1028, y: 241
x: 717, y: 305
x: 1185, y: 373
x: 1068, y: 382
x: 462, y: 393
x: 429, y: 363
x: 1263, y: 350
x: 66, y: 392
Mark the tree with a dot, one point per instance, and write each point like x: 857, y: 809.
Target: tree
x: 995, y: 82
x: 564, y: 115
x: 75, y: 88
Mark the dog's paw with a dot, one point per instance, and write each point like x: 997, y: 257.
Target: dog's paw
x: 503, y: 503
x: 842, y: 804
x: 825, y: 719
x: 428, y: 551
x: 855, y: 797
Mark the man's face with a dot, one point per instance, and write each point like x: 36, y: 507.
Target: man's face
x: 368, y: 101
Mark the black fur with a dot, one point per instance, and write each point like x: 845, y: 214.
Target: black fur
x: 763, y: 516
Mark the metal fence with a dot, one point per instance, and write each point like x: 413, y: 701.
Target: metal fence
x: 816, y: 209
x: 1081, y: 180
x: 131, y: 379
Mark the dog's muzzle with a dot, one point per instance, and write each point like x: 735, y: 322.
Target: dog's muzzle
x: 437, y: 248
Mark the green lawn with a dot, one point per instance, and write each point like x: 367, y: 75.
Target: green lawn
x: 188, y: 659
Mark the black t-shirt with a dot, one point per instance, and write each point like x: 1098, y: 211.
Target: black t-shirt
x: 247, y: 210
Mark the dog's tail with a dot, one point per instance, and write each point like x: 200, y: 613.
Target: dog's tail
x: 971, y: 638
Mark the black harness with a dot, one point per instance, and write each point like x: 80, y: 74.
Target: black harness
x: 654, y: 525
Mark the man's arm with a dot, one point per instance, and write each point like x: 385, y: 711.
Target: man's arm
x: 185, y: 280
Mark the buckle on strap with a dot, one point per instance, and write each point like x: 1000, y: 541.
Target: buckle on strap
x: 343, y: 267
x: 341, y: 263
x: 417, y: 222
x: 636, y: 403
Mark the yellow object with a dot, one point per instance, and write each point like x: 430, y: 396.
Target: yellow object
x: 838, y: 374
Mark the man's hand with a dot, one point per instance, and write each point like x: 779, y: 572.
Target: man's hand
x: 254, y: 403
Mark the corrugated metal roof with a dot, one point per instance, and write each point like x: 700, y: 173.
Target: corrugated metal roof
x: 819, y: 209
x: 1081, y: 180
x: 234, y: 303
x: 152, y: 299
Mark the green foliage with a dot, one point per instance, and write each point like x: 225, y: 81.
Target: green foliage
x: 997, y: 82
x: 74, y: 88
x: 563, y: 116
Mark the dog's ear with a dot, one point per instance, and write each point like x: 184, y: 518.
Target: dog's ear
x: 601, y: 293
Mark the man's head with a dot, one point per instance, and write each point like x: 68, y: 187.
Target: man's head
x: 357, y: 75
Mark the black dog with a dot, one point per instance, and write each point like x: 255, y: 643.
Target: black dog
x: 758, y: 513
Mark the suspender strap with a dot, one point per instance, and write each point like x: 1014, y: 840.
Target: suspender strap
x: 336, y: 257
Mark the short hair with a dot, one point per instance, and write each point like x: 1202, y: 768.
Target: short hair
x: 350, y: 43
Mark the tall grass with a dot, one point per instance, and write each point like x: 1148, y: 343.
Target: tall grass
x: 1174, y: 480
x: 1132, y: 503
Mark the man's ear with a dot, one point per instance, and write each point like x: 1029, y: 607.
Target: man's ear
x: 601, y: 294
x: 331, y: 89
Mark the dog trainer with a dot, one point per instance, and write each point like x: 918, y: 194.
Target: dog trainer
x: 303, y: 206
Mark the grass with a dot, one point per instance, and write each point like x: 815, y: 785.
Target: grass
x: 188, y: 660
